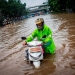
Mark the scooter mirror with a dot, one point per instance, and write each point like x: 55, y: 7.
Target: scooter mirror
x: 23, y: 38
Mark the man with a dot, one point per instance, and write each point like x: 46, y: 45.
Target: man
x: 42, y: 31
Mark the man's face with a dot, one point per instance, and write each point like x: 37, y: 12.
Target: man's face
x: 39, y: 26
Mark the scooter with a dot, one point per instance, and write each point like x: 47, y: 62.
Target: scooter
x: 35, y: 52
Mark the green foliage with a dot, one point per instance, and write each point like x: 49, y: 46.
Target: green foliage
x: 61, y: 5
x: 12, y: 8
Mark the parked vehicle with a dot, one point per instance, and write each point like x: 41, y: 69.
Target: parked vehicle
x: 4, y: 22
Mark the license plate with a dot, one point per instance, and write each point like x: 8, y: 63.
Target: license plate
x: 35, y: 49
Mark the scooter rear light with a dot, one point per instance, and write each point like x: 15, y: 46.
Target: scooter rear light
x: 39, y: 45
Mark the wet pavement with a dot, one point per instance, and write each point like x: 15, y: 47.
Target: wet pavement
x: 12, y: 52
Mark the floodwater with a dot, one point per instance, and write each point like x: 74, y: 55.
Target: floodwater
x: 12, y: 52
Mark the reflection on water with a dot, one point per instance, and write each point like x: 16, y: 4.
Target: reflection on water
x: 47, y: 67
x: 12, y: 51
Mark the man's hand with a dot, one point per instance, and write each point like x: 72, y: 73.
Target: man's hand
x: 24, y: 43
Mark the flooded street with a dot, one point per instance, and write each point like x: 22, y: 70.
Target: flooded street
x: 12, y: 52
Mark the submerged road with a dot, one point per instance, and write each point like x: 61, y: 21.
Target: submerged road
x: 12, y: 52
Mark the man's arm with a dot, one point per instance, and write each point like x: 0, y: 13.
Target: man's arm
x: 31, y: 37
x: 49, y: 36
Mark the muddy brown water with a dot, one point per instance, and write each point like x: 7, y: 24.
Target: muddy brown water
x: 12, y: 52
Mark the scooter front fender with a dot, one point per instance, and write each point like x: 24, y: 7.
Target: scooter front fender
x: 36, y: 64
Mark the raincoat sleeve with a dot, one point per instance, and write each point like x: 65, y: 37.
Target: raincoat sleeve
x: 49, y: 36
x: 31, y: 37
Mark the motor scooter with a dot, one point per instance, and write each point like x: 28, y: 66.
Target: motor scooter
x: 35, y: 52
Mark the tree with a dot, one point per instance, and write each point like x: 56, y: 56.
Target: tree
x: 61, y: 5
x: 12, y: 8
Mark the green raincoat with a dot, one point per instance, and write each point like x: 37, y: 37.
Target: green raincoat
x: 49, y: 47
